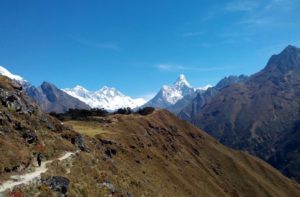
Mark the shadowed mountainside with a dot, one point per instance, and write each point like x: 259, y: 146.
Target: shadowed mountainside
x: 194, y: 105
x: 52, y: 99
x: 261, y: 115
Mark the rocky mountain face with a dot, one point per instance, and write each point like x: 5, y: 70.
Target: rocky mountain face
x: 26, y: 131
x: 174, y: 97
x: 125, y: 155
x: 194, y: 104
x: 52, y: 99
x: 262, y: 114
x: 47, y: 95
x: 107, y: 98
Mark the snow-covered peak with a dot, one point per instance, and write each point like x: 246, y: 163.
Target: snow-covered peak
x: 106, y: 97
x: 107, y: 89
x: 182, y: 81
x: 80, y: 88
x: 171, y: 94
x: 77, y: 92
x: 140, y: 101
x: 204, y: 88
x: 5, y: 72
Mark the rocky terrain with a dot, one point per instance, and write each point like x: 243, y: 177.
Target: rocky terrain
x: 25, y: 132
x: 262, y: 114
x: 154, y: 154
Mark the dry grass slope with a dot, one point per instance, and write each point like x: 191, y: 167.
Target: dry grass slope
x: 160, y: 155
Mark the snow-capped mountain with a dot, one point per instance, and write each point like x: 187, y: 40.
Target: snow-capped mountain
x: 174, y: 97
x: 47, y: 95
x: 107, y: 98
x: 5, y: 72
x: 171, y: 94
x: 204, y: 88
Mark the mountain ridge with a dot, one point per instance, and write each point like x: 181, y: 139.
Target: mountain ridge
x: 195, y: 105
x: 261, y: 115
x: 47, y: 95
x: 106, y: 97
x: 174, y: 97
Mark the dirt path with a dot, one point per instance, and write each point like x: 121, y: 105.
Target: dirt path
x: 28, y: 177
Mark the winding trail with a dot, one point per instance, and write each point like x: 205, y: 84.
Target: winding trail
x: 28, y: 177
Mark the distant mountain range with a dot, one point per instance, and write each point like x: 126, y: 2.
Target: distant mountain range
x: 107, y: 98
x: 52, y: 99
x: 260, y: 114
x: 186, y: 101
x: 174, y: 97
x: 47, y: 96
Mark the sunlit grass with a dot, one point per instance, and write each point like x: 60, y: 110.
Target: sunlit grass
x: 86, y: 127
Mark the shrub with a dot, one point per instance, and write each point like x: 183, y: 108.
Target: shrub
x: 79, y: 114
x: 145, y: 111
x: 126, y: 111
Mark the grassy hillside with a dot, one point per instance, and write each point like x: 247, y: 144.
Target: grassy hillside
x: 122, y: 155
x: 159, y: 155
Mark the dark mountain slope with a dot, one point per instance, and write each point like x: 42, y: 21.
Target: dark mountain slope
x: 52, y: 99
x: 261, y: 115
x: 194, y: 105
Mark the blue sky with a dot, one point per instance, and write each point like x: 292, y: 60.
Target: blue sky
x: 137, y: 46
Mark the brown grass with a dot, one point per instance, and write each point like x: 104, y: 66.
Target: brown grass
x: 154, y: 160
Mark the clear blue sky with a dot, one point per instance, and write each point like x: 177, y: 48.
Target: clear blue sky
x: 139, y: 45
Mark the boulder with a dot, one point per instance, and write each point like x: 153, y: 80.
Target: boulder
x: 29, y: 136
x: 78, y: 140
x: 57, y: 183
x: 110, y: 152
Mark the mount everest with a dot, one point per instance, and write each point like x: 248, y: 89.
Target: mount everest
x: 107, y: 98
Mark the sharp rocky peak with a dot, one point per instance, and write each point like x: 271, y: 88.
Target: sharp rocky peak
x: 287, y: 60
x: 182, y: 81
